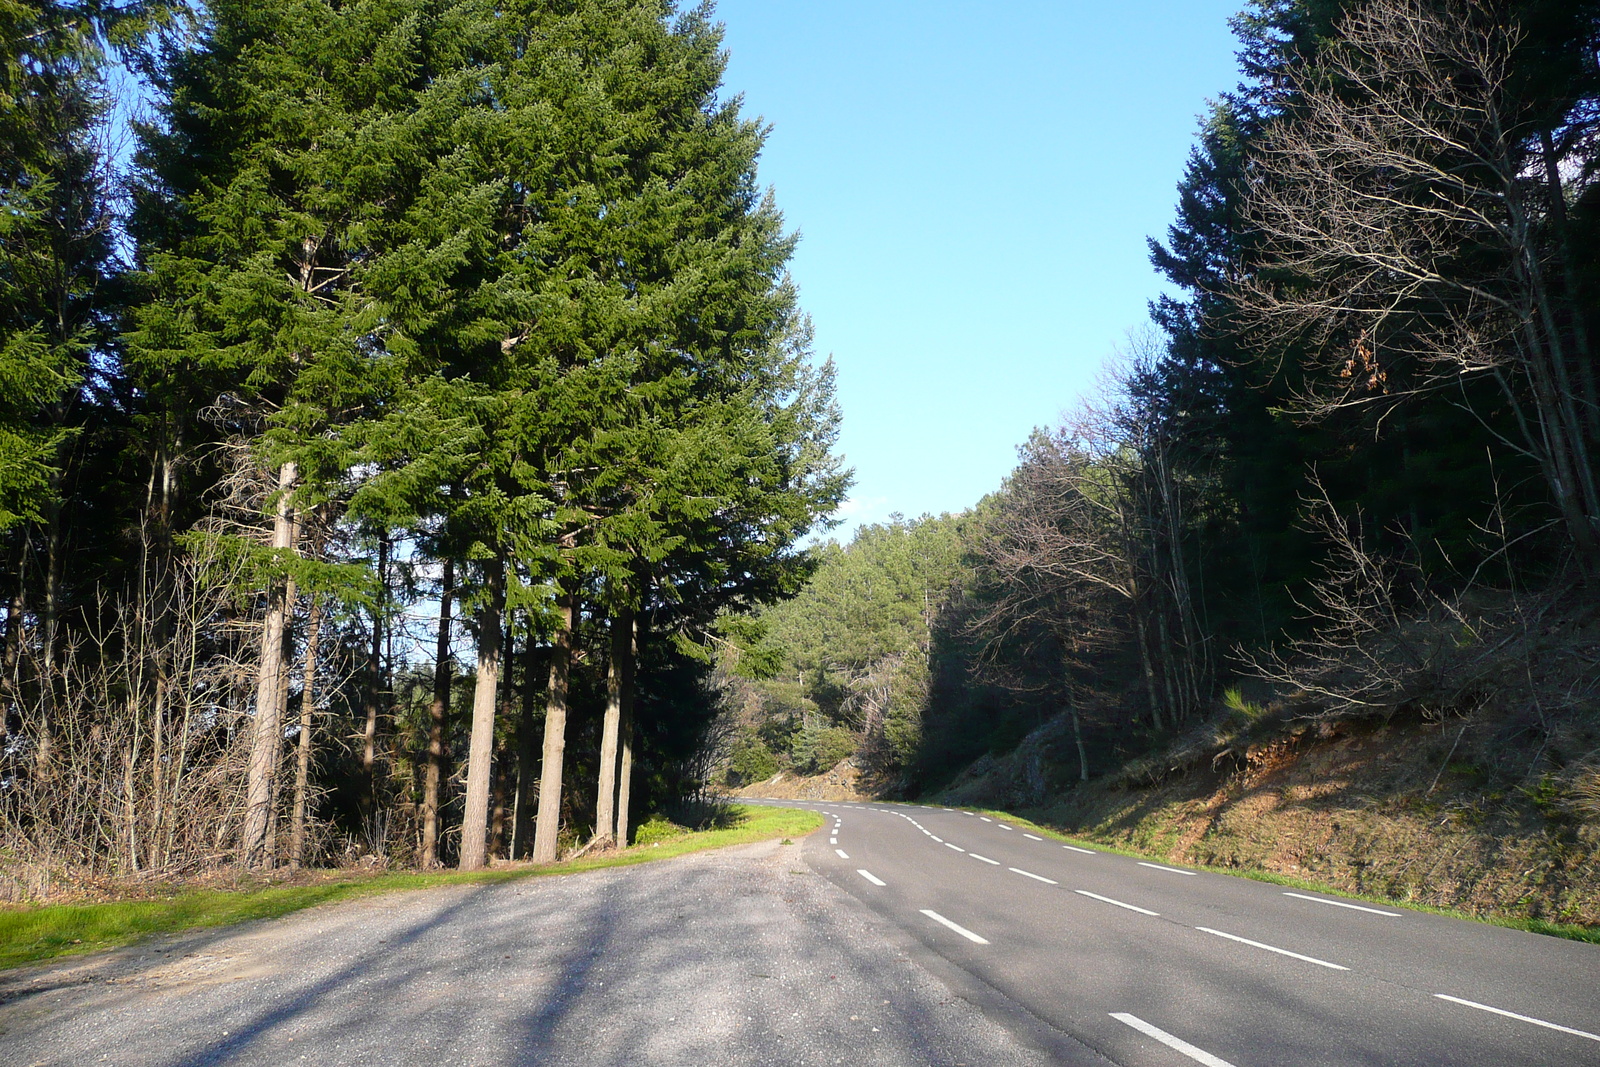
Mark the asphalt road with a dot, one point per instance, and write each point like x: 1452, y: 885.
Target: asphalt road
x: 740, y: 957
x: 1151, y: 965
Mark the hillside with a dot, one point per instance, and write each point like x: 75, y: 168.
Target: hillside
x: 1427, y: 812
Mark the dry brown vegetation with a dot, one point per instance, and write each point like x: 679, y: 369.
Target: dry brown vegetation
x: 1466, y: 777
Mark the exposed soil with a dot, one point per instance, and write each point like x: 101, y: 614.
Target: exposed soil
x: 1431, y: 813
x: 843, y: 782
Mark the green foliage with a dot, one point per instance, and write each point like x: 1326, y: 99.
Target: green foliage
x: 843, y: 666
x: 815, y: 749
x: 751, y: 761
x: 657, y: 828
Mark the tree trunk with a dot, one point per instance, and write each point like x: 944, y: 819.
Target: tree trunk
x: 285, y: 663
x: 475, y: 823
x: 555, y: 735
x: 522, y: 820
x: 1083, y: 753
x: 1575, y: 305
x: 374, y: 695
x: 499, y: 805
x: 437, y: 772
x: 625, y: 735
x: 302, y: 765
x: 267, y: 739
x: 605, y: 818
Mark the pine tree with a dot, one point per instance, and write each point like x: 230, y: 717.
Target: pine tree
x: 270, y: 197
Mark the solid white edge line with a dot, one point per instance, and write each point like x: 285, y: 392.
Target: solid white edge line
x: 874, y: 879
x: 958, y: 848
x: 1030, y: 837
x: 1199, y: 1055
x: 962, y: 930
x: 1342, y: 904
x: 1030, y: 874
x: 1272, y: 948
x: 842, y: 854
x: 984, y: 859
x: 1085, y: 851
x: 1519, y: 1018
x: 1118, y: 903
x: 1158, y: 867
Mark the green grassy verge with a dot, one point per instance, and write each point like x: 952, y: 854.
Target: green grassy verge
x: 31, y: 934
x: 1569, y: 931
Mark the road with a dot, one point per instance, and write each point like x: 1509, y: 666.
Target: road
x: 736, y: 957
x: 1152, y: 965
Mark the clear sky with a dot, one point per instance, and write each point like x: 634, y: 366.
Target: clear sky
x: 973, y: 183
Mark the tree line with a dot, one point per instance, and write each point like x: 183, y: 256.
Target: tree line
x: 383, y: 328
x: 1358, y: 431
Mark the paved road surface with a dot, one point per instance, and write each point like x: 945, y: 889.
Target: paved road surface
x: 743, y: 956
x: 933, y: 936
x: 1155, y: 966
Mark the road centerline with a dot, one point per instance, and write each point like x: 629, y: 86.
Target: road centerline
x: 1030, y: 874
x: 869, y: 876
x: 984, y: 859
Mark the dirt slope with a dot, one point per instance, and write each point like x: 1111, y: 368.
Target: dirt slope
x: 1432, y: 813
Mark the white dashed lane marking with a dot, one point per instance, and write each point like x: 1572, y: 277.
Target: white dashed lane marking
x: 1272, y: 948
x: 1342, y: 904
x: 1118, y: 903
x: 984, y: 859
x: 1519, y: 1018
x: 1030, y: 837
x: 958, y: 848
x: 962, y: 930
x: 869, y: 876
x: 1169, y: 870
x: 1199, y: 1055
x: 1085, y: 851
x: 842, y: 854
x: 1030, y: 874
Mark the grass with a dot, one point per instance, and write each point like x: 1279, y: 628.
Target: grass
x: 1570, y: 931
x: 38, y: 933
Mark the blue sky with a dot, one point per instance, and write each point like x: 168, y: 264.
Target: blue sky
x: 973, y: 183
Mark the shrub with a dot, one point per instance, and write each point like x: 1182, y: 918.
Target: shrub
x: 751, y: 761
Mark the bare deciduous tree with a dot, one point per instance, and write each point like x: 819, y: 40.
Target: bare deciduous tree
x: 1409, y: 208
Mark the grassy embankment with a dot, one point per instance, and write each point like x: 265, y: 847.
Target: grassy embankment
x: 36, y: 933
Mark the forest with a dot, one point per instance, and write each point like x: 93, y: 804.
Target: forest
x: 412, y: 451
x: 394, y: 396
x: 1344, y: 476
